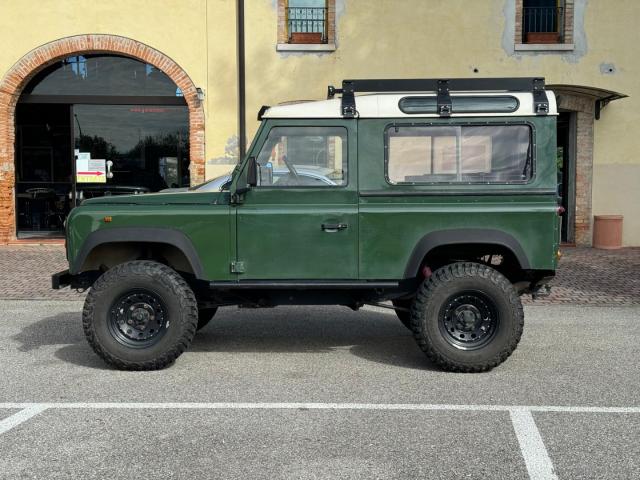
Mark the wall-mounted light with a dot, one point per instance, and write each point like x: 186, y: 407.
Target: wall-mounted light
x: 200, y: 93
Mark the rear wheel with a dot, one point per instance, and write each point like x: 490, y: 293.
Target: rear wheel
x: 140, y: 316
x: 467, y: 317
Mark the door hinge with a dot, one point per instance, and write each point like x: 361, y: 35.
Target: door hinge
x: 237, y: 267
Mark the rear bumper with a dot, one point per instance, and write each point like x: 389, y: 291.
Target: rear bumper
x: 61, y: 280
x: 541, y: 288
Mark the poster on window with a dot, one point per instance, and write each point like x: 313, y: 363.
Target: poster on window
x: 91, y: 170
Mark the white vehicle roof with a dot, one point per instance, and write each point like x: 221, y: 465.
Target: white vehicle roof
x: 385, y: 105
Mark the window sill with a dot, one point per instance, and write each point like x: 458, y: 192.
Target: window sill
x: 306, y: 47
x: 544, y: 47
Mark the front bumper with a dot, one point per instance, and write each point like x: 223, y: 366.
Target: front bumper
x: 81, y: 280
x: 61, y: 280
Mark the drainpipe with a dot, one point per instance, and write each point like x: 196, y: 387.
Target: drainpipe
x: 242, y: 128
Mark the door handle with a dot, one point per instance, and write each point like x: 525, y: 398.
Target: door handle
x: 333, y: 227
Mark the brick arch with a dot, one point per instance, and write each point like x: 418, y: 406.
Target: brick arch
x: 37, y: 59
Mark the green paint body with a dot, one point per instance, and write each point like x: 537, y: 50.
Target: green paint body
x: 277, y: 232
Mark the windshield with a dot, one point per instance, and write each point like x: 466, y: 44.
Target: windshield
x: 213, y: 185
x: 196, y: 187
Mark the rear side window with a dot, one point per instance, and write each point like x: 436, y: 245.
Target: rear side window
x: 459, y: 154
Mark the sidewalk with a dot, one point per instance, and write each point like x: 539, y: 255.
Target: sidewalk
x: 586, y: 276
x: 25, y: 272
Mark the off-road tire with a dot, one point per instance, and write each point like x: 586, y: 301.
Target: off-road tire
x: 204, y: 316
x: 404, y: 315
x: 433, y: 298
x: 162, y: 281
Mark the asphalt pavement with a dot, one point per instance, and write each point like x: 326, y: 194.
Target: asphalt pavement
x: 320, y: 392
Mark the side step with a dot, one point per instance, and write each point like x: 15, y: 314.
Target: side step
x: 302, y: 285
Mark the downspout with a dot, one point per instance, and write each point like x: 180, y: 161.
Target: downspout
x: 242, y: 128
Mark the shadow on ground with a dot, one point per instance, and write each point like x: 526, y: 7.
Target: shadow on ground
x: 373, y: 336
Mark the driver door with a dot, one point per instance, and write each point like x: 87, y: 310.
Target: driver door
x: 301, y: 220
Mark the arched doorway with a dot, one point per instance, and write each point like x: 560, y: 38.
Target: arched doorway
x: 116, y: 104
x: 94, y: 125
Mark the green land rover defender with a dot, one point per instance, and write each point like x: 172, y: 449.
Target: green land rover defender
x: 437, y: 196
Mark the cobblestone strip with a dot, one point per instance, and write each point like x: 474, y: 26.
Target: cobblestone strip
x: 585, y: 276
x: 25, y: 272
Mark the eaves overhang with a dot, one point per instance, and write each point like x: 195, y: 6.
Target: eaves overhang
x: 600, y: 96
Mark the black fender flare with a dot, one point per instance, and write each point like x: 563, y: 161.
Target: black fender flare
x: 166, y: 236
x: 440, y: 238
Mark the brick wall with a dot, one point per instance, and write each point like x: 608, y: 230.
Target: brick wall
x: 34, y: 61
x: 282, y: 21
x: 518, y: 22
x: 568, y: 21
x: 584, y: 162
x: 584, y: 177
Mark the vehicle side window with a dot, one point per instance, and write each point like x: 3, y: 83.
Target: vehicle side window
x: 459, y: 154
x: 303, y: 157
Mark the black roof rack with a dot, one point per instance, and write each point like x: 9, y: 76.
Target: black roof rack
x: 442, y: 87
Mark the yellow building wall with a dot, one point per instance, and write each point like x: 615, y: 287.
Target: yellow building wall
x: 431, y: 38
x: 375, y: 38
x: 199, y: 35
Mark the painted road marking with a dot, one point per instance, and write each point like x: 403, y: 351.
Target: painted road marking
x: 319, y: 406
x: 534, y: 452
x: 536, y: 457
x: 20, y: 417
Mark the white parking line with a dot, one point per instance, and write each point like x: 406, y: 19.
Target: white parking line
x: 532, y: 447
x: 320, y: 406
x: 536, y: 457
x: 22, y: 416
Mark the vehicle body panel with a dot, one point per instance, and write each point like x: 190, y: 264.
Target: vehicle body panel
x: 393, y: 218
x: 279, y: 230
x: 202, y: 218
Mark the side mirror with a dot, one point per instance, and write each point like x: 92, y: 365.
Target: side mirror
x: 252, y: 172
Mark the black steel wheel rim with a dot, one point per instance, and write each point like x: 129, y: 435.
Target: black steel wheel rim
x: 138, y: 319
x: 469, y: 320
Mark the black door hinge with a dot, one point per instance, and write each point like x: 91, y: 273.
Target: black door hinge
x: 237, y: 267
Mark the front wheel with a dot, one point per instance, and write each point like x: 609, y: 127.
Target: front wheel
x: 140, y: 316
x: 467, y: 317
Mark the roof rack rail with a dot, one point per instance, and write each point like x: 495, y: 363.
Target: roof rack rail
x: 442, y: 87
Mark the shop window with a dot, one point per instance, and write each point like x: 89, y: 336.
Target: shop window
x: 544, y: 24
x: 107, y: 75
x: 306, y: 25
x: 93, y: 125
